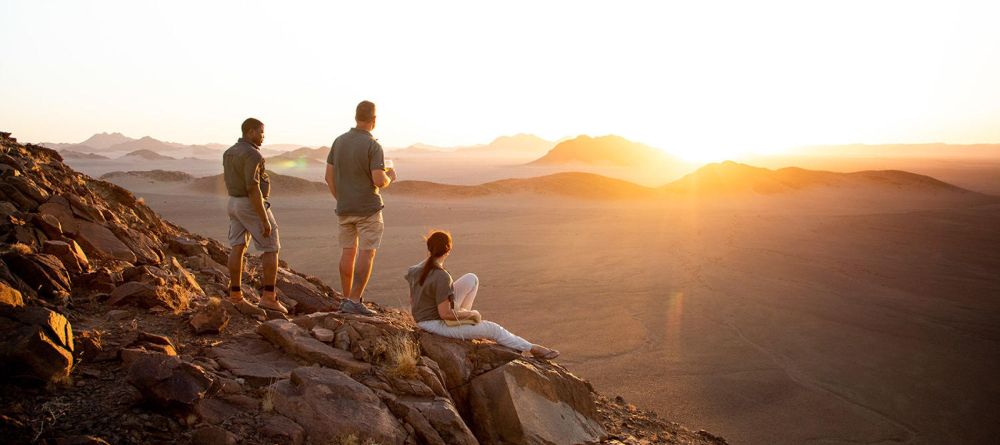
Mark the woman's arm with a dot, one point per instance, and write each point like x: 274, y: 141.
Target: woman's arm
x: 447, y: 313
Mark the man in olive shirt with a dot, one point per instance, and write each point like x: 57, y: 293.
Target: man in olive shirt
x: 250, y: 214
x: 355, y: 170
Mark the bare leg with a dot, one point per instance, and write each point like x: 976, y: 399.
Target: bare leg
x: 347, y: 270
x: 269, y: 298
x: 236, y: 271
x: 362, y: 273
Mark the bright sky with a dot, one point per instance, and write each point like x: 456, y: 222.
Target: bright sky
x: 702, y: 79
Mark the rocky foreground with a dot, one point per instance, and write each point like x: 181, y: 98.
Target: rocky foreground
x: 113, y: 329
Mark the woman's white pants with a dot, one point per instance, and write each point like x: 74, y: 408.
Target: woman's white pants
x: 465, y: 295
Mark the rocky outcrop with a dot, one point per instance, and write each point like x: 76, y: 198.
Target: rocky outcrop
x: 78, y: 249
x: 35, y: 343
x: 330, y: 405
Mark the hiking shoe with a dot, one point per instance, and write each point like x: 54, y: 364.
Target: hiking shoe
x: 352, y: 307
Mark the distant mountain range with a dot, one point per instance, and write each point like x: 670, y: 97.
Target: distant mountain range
x: 520, y: 145
x: 723, y: 179
x: 605, y: 151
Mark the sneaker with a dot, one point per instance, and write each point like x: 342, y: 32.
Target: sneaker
x: 353, y: 307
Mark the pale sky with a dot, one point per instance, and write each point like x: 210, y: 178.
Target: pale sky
x: 701, y: 79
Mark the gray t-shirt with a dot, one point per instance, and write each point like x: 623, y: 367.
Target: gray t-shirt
x: 437, y: 288
x: 353, y: 156
x: 243, y: 169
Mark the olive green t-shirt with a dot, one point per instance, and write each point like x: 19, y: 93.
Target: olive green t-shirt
x: 436, y: 289
x: 353, y: 156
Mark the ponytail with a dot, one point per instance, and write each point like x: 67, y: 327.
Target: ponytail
x: 438, y: 244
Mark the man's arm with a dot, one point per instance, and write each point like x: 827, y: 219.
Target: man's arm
x: 330, y: 176
x: 253, y: 193
x: 382, y: 179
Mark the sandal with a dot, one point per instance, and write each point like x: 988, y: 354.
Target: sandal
x: 274, y: 306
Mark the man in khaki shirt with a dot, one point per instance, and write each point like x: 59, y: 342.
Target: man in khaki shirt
x: 250, y: 214
x: 355, y: 171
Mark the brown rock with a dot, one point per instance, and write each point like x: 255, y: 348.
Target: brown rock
x: 10, y: 297
x: 210, y: 318
x: 280, y: 429
x: 48, y: 224
x: 215, y: 411
x: 523, y: 402
x: 35, y: 343
x: 308, y: 296
x: 322, y: 334
x: 148, y: 296
x: 144, y: 248
x: 434, y: 420
x: 28, y: 188
x: 69, y: 253
x: 295, y: 340
x: 167, y: 381
x: 43, y: 272
x: 100, y: 281
x: 89, y: 347
x: 330, y: 405
x: 186, y: 246
x: 254, y: 360
x: 186, y: 278
x: 212, y: 435
x: 59, y: 209
x: 99, y: 242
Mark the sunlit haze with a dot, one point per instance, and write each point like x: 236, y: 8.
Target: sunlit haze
x: 701, y: 80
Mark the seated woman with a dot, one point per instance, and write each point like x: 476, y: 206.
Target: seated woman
x: 443, y: 307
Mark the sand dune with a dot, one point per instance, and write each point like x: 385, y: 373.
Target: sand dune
x: 280, y: 185
x: 152, y: 175
x: 579, y: 185
x: 148, y: 155
x: 731, y: 177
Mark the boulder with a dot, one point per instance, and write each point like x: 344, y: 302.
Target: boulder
x: 35, y: 343
x: 148, y: 296
x: 99, y: 242
x: 296, y: 341
x: 280, y: 429
x: 435, y: 421
x: 48, y: 224
x: 524, y: 402
x: 322, y: 334
x: 42, y: 272
x: 69, y: 253
x: 144, y: 248
x: 186, y: 246
x: 102, y: 280
x: 166, y: 381
x: 10, y: 297
x: 330, y: 405
x: 254, y: 360
x: 461, y: 360
x: 211, y: 318
x: 59, y: 209
x: 215, y: 411
x: 308, y: 296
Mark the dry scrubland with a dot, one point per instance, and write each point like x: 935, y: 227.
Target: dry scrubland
x: 831, y: 315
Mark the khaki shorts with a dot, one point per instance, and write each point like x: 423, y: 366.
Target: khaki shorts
x: 244, y: 224
x: 367, y: 229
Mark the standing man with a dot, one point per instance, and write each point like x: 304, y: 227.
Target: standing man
x: 250, y: 214
x: 355, y: 171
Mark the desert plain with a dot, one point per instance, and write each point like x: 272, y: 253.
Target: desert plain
x: 833, y: 314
